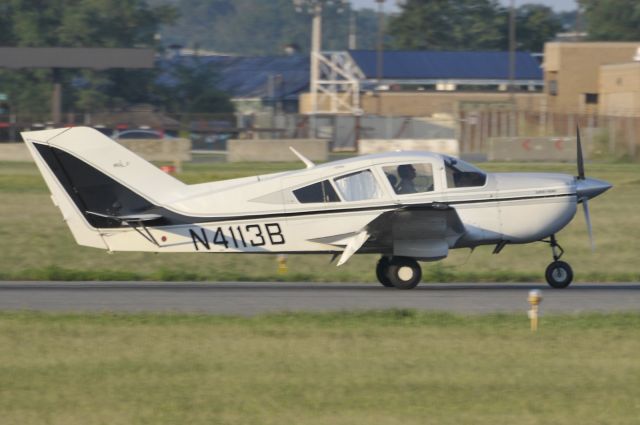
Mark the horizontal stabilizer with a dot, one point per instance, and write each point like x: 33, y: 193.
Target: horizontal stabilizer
x: 131, y: 218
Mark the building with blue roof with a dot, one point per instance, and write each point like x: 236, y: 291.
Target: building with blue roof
x: 252, y: 81
x: 431, y: 67
x: 423, y: 83
x: 257, y: 82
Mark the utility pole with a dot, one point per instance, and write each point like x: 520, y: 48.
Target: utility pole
x: 379, y: 56
x: 316, y: 46
x: 512, y: 67
x: 353, y: 38
x: 512, y: 49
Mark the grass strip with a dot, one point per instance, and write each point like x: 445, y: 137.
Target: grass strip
x: 383, y: 367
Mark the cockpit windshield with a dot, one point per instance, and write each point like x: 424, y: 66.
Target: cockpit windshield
x: 463, y: 174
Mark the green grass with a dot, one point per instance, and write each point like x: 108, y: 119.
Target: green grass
x: 36, y: 244
x: 396, y: 367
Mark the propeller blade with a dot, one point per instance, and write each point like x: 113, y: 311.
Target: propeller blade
x: 580, y: 157
x: 587, y: 217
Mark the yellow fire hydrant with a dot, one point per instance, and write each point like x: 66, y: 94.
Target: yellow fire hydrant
x: 535, y: 298
x: 282, y: 264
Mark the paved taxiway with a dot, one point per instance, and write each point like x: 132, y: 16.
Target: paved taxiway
x: 256, y: 298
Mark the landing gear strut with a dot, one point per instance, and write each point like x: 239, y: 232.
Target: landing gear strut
x: 558, y: 274
x: 398, y: 272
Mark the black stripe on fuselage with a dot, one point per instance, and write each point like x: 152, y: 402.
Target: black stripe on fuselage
x: 425, y: 206
x: 92, y: 190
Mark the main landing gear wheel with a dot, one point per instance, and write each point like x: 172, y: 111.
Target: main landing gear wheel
x: 381, y: 272
x: 404, y: 272
x: 558, y: 274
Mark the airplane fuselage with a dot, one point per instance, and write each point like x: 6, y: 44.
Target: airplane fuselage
x: 514, y: 207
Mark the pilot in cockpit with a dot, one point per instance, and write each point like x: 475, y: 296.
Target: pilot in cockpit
x: 407, y: 174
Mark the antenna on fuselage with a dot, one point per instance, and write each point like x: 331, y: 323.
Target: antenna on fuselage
x: 307, y: 161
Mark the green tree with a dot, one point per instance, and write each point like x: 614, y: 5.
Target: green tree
x: 471, y: 25
x: 612, y: 20
x: 78, y: 23
x: 87, y: 23
x: 258, y: 27
x: 193, y: 89
x: 448, y: 25
x: 6, y: 35
x: 535, y: 25
x: 568, y: 19
x: 28, y: 91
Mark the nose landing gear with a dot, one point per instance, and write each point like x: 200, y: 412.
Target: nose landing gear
x: 398, y: 272
x: 558, y: 274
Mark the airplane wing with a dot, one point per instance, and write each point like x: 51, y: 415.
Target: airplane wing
x: 424, y: 231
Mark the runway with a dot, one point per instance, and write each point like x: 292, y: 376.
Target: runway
x: 258, y: 298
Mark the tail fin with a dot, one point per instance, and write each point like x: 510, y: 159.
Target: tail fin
x: 93, y: 180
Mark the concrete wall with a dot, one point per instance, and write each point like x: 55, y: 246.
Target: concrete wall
x: 427, y: 103
x: 276, y: 150
x: 174, y: 150
x: 620, y: 89
x: 575, y: 69
x: 160, y: 150
x: 14, y: 152
x: 561, y: 149
x: 444, y: 146
x: 344, y: 131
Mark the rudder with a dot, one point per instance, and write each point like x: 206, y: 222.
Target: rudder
x: 92, y: 177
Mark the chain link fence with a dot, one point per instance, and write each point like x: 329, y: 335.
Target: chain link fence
x: 607, y: 137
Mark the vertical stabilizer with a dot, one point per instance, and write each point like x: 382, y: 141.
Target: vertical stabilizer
x: 90, y: 176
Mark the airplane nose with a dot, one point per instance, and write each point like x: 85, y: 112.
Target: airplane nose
x: 590, y: 188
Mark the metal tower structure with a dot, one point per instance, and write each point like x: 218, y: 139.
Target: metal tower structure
x: 335, y: 78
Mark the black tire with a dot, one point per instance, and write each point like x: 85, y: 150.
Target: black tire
x: 404, y: 272
x: 381, y: 272
x: 559, y: 274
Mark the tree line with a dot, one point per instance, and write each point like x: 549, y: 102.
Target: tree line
x: 257, y: 27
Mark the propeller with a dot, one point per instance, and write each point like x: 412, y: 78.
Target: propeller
x: 580, y: 175
x: 587, y: 216
x: 583, y: 198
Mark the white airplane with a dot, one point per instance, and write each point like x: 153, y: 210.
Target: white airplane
x: 406, y: 206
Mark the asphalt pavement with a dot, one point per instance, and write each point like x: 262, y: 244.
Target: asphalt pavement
x: 256, y: 298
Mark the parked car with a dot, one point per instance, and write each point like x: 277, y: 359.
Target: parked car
x: 140, y: 134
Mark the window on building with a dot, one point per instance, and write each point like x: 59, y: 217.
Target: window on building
x: 410, y: 178
x: 317, y: 192
x: 553, y: 87
x: 358, y: 186
x: 591, y: 98
x: 463, y: 174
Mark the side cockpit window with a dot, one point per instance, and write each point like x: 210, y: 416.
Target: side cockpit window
x: 358, y: 186
x: 317, y: 192
x: 463, y: 174
x: 410, y: 178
